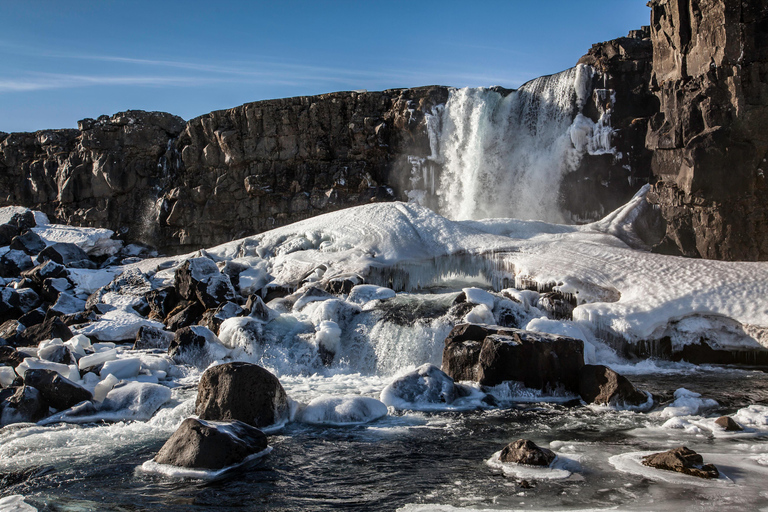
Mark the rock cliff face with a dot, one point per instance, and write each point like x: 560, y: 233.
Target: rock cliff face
x: 180, y: 186
x: 709, y: 140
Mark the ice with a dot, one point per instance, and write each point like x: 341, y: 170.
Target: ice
x: 560, y: 469
x: 15, y: 503
x: 478, y: 296
x: 418, y: 388
x: 328, y: 335
x: 240, y: 333
x: 94, y: 241
x: 135, y: 401
x: 753, y: 416
x: 97, y: 358
x: 105, y: 386
x: 343, y: 410
x: 170, y: 471
x: 687, y: 403
x: 118, y: 325
x: 122, y: 368
x: 7, y: 213
x: 32, y: 363
x: 480, y: 314
x: 7, y: 376
x: 364, y: 293
x: 66, y: 304
x: 632, y: 463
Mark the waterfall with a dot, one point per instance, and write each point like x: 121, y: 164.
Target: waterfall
x: 505, y: 155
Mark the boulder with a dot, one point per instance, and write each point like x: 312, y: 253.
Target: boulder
x: 52, y: 288
x: 682, y: 460
x: 600, y: 385
x: 524, y: 451
x: 491, y: 355
x: 63, y: 253
x: 22, y: 221
x: 256, y: 308
x: 10, y: 328
x: 14, y: 262
x: 7, y: 234
x: 10, y: 304
x: 149, y: 337
x: 161, y: 302
x: 241, y: 391
x: 56, y: 354
x: 28, y: 299
x: 200, y: 278
x: 211, y: 444
x: 51, y: 328
x: 34, y: 317
x: 60, y: 392
x: 30, y: 242
x: 48, y: 269
x: 185, y: 340
x: 186, y: 313
x: 557, y: 305
x: 25, y: 405
x: 728, y: 424
x: 213, y: 318
x: 425, y: 385
x: 10, y: 357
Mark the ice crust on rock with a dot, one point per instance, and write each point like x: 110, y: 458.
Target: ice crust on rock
x: 345, y: 410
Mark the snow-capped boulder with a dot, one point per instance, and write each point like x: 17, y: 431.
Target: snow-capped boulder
x: 10, y: 304
x: 23, y: 404
x: 599, y: 384
x: 426, y: 384
x: 51, y: 328
x: 195, y: 345
x: 211, y: 444
x: 346, y: 410
x: 56, y: 353
x: 45, y: 270
x: 241, y: 391
x: 13, y: 262
x: 200, y: 279
x: 60, y: 392
x: 364, y: 293
x: 213, y: 318
x: 30, y: 242
x: 62, y: 253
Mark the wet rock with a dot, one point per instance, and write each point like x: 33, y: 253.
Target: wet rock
x: 149, y: 337
x: 600, y: 385
x: 10, y: 357
x: 25, y: 405
x: 161, y: 302
x: 241, y: 391
x: 51, y: 328
x: 524, y: 451
x: 63, y: 253
x: 30, y: 243
x: 557, y: 305
x: 13, y: 263
x: 60, y: 392
x: 10, y: 304
x: 213, y: 318
x: 681, y: 460
x: 186, y: 313
x: 728, y: 424
x: 211, y: 445
x: 491, y: 355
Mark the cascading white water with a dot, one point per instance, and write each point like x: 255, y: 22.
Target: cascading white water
x: 505, y: 156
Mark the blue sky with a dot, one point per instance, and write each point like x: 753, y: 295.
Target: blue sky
x: 66, y: 60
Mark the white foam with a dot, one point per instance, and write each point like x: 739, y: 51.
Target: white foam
x: 167, y: 470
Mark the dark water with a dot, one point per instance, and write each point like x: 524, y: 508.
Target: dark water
x: 434, y: 458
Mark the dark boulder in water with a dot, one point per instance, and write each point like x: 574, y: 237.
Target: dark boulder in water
x: 525, y: 451
x: 211, y: 445
x: 491, y: 355
x: 599, y: 384
x: 60, y: 392
x: 681, y: 460
x: 241, y: 391
x: 426, y: 384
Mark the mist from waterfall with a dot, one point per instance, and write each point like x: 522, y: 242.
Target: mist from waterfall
x: 505, y: 155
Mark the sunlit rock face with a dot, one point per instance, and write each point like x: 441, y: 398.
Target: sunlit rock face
x: 708, y: 140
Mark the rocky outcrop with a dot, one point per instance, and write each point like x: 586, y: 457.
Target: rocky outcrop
x: 710, y: 138
x: 154, y: 178
x: 600, y: 385
x: 525, y: 451
x: 682, y: 460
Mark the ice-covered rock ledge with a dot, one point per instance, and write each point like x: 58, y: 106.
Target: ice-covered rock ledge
x: 639, y: 301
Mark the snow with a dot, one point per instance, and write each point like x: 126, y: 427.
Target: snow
x: 122, y: 368
x: 7, y: 376
x: 753, y: 416
x: 94, y: 241
x: 117, y: 325
x: 421, y: 387
x: 478, y: 296
x: 687, y: 403
x: 480, y: 314
x: 344, y: 410
x: 15, y: 503
x: 328, y: 335
x: 364, y: 293
x: 88, y: 281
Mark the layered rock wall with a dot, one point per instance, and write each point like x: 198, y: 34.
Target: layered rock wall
x: 709, y: 140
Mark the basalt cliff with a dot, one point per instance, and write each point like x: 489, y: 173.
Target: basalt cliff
x: 688, y: 103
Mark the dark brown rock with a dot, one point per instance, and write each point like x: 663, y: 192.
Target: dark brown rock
x: 187, y: 342
x: 524, y: 451
x: 10, y: 357
x: 681, y: 460
x: 60, y: 392
x: 151, y: 337
x: 161, y: 302
x: 708, y: 140
x: 491, y: 355
x: 557, y: 305
x: 185, y: 313
x: 211, y: 445
x: 728, y: 424
x: 241, y: 391
x: 51, y: 328
x: 599, y: 384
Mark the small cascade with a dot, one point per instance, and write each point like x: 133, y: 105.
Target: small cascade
x: 505, y: 155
